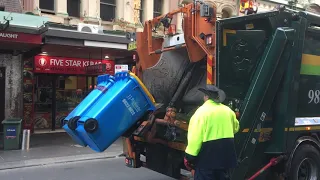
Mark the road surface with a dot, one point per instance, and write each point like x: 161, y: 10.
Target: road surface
x: 108, y: 169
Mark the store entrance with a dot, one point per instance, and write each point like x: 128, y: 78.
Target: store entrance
x: 56, y: 96
x: 2, y: 94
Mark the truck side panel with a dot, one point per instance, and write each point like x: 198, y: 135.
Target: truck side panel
x: 309, y: 87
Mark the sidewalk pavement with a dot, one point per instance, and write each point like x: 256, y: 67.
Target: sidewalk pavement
x: 53, y: 148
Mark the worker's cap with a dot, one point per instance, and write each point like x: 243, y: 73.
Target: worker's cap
x: 214, y: 93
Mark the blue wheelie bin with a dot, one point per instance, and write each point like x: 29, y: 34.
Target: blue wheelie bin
x: 70, y: 122
x: 126, y: 102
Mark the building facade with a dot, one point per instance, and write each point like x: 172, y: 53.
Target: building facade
x: 43, y: 61
x: 269, y: 5
x: 17, y: 40
x: 111, y: 14
x: 11, y: 6
x: 114, y: 14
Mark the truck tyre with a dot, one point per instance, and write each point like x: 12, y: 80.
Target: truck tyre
x: 305, y: 164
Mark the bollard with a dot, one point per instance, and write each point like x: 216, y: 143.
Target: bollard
x: 124, y: 147
x: 26, y: 139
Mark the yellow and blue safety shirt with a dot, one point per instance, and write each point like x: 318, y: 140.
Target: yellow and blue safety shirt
x: 211, y: 136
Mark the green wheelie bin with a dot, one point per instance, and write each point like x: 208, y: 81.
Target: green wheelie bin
x: 11, y: 133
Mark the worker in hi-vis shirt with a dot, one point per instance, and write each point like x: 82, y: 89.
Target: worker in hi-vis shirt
x: 210, y: 151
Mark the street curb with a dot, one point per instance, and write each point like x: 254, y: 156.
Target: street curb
x: 58, y: 160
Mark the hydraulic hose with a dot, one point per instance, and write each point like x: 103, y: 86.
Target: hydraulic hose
x: 273, y: 162
x: 182, y: 86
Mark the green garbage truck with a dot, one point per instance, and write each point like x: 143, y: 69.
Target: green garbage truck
x: 269, y: 66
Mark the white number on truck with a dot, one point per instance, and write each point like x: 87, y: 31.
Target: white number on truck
x: 314, y: 96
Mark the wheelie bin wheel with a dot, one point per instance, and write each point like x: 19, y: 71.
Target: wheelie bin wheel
x: 91, y: 125
x: 72, y: 123
x: 305, y: 164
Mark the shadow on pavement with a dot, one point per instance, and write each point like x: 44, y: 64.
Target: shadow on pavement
x: 54, y: 145
x: 50, y: 139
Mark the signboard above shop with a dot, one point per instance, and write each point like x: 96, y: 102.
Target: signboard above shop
x: 132, y: 46
x: 67, y: 65
x: 16, y: 37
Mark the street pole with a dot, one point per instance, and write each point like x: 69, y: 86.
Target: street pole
x: 26, y: 139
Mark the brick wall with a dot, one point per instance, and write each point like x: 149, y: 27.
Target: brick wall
x: 12, y: 5
x: 13, y: 64
x: 13, y: 93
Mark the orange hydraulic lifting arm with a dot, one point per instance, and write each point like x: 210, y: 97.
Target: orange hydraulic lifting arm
x: 198, y: 30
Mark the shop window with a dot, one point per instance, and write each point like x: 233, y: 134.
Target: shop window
x: 107, y: 10
x: 73, y: 8
x: 139, y: 8
x: 1, y: 8
x: 157, y: 8
x: 47, y: 6
x: 70, y: 91
x: 62, y: 84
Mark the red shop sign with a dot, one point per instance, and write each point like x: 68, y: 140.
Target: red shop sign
x: 20, y: 37
x: 63, y: 65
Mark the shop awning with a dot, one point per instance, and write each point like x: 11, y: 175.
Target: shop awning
x: 24, y: 23
x: 67, y: 41
x: 20, y: 32
x: 70, y: 37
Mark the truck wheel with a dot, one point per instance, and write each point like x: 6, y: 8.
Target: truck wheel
x: 305, y: 164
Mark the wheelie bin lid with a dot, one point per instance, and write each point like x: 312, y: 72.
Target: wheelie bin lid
x: 143, y: 87
x: 12, y: 121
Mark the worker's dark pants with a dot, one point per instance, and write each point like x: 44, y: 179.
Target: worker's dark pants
x: 212, y: 174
